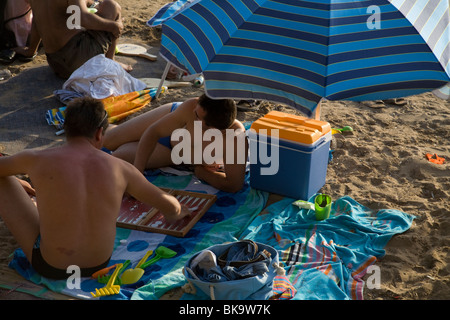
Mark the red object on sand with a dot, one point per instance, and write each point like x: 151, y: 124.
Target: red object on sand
x: 436, y: 159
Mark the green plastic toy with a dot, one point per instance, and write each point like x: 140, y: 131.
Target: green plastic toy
x: 322, y: 204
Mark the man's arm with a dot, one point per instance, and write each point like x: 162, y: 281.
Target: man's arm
x: 94, y: 21
x: 16, y: 164
x: 233, y: 176
x: 143, y: 190
x: 231, y: 180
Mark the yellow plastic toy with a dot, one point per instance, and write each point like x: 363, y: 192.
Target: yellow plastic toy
x: 110, y: 287
x: 133, y: 275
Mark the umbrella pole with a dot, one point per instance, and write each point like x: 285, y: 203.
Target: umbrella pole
x: 317, y: 111
x: 166, y: 71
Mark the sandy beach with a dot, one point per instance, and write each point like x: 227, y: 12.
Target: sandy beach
x: 382, y: 164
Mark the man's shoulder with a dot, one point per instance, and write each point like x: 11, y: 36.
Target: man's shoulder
x: 116, y: 162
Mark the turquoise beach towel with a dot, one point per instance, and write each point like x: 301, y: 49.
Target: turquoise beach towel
x: 224, y: 221
x: 327, y: 259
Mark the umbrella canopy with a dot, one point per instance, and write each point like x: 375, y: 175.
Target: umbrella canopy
x: 444, y: 92
x: 298, y: 52
x: 167, y: 11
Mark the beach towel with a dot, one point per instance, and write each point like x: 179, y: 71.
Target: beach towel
x: 327, y: 259
x: 224, y: 221
x: 118, y: 107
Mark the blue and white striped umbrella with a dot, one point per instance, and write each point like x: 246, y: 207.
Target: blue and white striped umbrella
x: 167, y: 11
x: 443, y: 93
x: 297, y: 52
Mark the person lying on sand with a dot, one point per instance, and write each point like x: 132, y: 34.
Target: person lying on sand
x: 148, y: 140
x: 79, y: 191
x: 68, y: 45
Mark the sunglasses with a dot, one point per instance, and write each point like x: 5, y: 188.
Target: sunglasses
x: 100, y: 124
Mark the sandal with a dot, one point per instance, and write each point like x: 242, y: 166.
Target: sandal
x: 377, y: 104
x: 23, y: 58
x: 7, y: 56
x: 397, y: 101
x: 247, y: 105
x: 435, y: 158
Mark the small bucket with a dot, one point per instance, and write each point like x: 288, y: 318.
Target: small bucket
x: 322, y: 205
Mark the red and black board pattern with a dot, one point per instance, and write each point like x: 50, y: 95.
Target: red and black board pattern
x: 139, y: 216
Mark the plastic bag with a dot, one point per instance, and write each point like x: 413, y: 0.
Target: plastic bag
x: 101, y: 77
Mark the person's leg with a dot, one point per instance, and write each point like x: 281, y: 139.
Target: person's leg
x: 132, y: 130
x: 19, y: 214
x: 110, y: 9
x: 161, y: 156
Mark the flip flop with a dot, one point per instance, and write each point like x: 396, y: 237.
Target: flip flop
x: 247, y: 105
x: 436, y: 159
x: 23, y: 58
x: 7, y: 56
x: 397, y: 101
x: 377, y: 104
x: 344, y: 130
x: 5, y: 74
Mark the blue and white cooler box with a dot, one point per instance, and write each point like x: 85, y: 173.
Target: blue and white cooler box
x: 242, y: 270
x: 289, y: 154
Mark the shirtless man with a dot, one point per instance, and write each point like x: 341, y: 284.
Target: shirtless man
x: 67, y: 46
x: 146, y: 140
x: 79, y: 190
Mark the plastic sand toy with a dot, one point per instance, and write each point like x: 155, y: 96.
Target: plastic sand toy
x: 322, y: 204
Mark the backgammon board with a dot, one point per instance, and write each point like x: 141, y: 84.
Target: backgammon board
x: 137, y: 215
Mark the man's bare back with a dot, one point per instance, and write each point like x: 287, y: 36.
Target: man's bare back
x: 78, y: 199
x: 50, y: 18
x: 79, y: 190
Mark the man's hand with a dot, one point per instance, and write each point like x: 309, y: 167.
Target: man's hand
x: 185, y: 212
x: 117, y: 29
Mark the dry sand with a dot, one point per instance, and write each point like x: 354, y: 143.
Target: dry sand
x: 381, y: 165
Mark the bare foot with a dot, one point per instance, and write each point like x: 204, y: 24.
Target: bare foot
x: 126, y: 67
x: 173, y: 73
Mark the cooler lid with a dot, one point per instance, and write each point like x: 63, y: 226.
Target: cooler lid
x: 292, y: 127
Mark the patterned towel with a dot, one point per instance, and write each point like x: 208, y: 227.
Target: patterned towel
x: 327, y: 259
x: 283, y: 288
